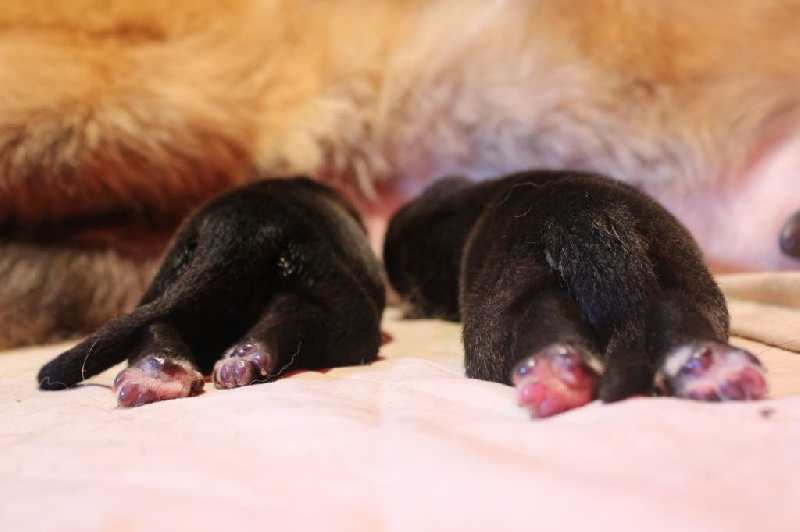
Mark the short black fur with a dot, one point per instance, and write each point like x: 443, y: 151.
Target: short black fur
x: 541, y: 257
x: 283, y: 262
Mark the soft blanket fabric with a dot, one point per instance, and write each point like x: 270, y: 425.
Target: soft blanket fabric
x: 408, y: 443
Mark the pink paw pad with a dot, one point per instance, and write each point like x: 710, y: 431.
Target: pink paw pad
x: 714, y: 372
x: 554, y: 380
x: 154, y: 378
x: 243, y: 365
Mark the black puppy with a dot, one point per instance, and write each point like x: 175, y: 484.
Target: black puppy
x: 570, y: 286
x: 277, y: 275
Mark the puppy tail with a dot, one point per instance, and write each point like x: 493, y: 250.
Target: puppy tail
x: 607, y: 268
x: 100, y: 351
x: 203, y: 278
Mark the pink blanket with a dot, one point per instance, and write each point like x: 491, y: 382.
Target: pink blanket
x: 408, y: 443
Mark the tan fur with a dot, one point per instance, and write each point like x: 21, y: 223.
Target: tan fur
x: 135, y: 111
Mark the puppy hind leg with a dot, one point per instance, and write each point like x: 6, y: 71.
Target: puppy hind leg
x: 292, y: 333
x: 543, y: 347
x: 638, y: 345
x: 695, y: 360
x: 603, y: 256
x: 161, y: 367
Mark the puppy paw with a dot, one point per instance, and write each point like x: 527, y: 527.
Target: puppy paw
x: 712, y: 371
x: 155, y: 378
x: 558, y: 378
x: 243, y: 364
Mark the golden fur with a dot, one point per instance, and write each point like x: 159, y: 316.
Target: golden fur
x: 117, y: 117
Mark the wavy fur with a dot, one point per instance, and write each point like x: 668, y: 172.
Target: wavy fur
x: 119, y: 117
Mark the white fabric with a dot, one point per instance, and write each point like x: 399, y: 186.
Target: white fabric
x: 404, y: 444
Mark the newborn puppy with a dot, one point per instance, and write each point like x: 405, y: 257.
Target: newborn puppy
x: 276, y: 275
x: 570, y: 286
x: 423, y: 244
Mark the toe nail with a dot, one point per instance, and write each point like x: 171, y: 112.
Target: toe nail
x: 242, y: 350
x: 152, y: 364
x: 522, y: 369
x: 699, y: 363
x: 241, y: 371
x: 262, y: 362
x: 119, y: 379
x: 224, y: 374
x: 566, y: 361
x: 127, y: 394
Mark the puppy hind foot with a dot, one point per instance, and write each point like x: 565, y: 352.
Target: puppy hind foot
x: 712, y: 371
x: 558, y: 378
x: 154, y: 378
x: 244, y: 364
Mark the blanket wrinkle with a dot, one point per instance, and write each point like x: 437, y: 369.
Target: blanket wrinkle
x: 407, y: 443
x: 772, y: 325
x: 764, y: 307
x: 771, y: 288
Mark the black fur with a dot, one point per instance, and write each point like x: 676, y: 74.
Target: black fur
x: 541, y: 257
x: 283, y: 262
x: 423, y: 244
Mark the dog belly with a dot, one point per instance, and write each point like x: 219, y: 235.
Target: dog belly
x: 738, y: 221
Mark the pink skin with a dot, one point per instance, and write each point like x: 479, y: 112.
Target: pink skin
x: 736, y: 215
x: 554, y: 380
x: 738, y: 220
x: 715, y: 372
x: 153, y: 379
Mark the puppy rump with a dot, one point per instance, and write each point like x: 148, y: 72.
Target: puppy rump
x: 589, y: 276
x: 227, y: 264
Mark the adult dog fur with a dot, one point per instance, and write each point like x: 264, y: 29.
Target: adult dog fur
x: 119, y: 117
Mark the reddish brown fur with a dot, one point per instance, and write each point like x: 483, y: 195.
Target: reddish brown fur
x: 118, y: 117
